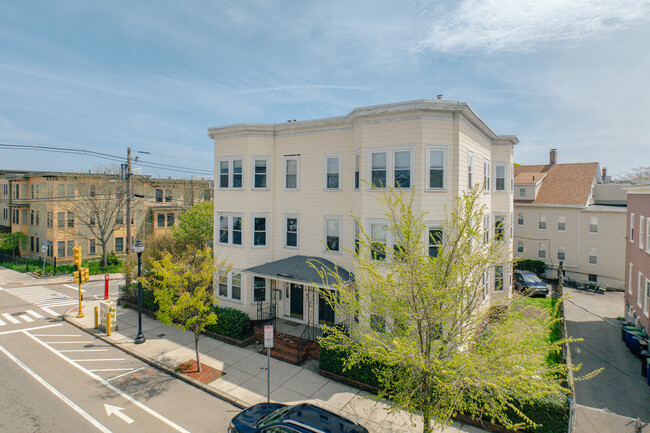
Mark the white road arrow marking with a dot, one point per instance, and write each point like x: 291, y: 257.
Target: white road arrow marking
x: 110, y: 409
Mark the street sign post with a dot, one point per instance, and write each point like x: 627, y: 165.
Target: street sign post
x: 268, y: 344
x: 105, y: 286
x: 44, y: 248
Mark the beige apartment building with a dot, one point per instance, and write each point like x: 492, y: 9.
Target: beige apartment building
x: 49, y: 207
x: 287, y: 192
x: 571, y: 213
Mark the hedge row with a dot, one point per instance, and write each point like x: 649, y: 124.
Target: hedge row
x: 230, y: 322
x: 551, y: 411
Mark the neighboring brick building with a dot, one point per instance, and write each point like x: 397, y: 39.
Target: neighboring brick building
x: 37, y: 204
x: 637, y: 256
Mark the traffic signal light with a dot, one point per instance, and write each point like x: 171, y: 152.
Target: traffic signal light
x: 75, y: 274
x: 76, y: 256
x: 85, y: 275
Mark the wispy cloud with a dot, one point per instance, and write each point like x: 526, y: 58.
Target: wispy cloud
x: 526, y: 25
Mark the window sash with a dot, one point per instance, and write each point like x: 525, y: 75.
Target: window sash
x: 378, y: 241
x: 260, y: 173
x: 436, y: 169
x: 259, y: 231
x: 357, y: 172
x: 593, y: 224
x: 402, y: 169
x: 332, y: 233
x: 520, y: 246
x: 435, y: 241
x: 500, y: 175
x: 378, y: 169
x: 593, y: 256
x: 161, y: 220
x: 291, y: 232
x: 259, y: 289
x: 498, y: 278
x: 291, y: 173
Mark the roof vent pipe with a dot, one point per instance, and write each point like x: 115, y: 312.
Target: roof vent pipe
x: 552, y: 159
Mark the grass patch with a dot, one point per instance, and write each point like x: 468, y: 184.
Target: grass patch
x: 36, y: 266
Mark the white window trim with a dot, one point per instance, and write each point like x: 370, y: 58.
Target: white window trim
x: 496, y: 217
x: 646, y: 299
x: 539, y: 222
x: 284, y: 231
x: 524, y: 192
x: 589, y: 225
x: 523, y: 248
x: 268, y: 229
x: 487, y: 171
x: 647, y: 235
x: 324, y: 238
x: 338, y: 156
x: 563, y: 222
x: 268, y: 172
x: 434, y: 225
x: 640, y: 289
x: 541, y: 246
x: 523, y: 220
x: 630, y: 278
x: 641, y: 231
x: 230, y: 230
x: 445, y: 166
x: 503, y: 279
x: 355, y: 170
x: 589, y: 256
x: 631, y: 234
x: 563, y: 250
x: 389, y: 238
x: 228, y: 295
x: 230, y: 160
x: 390, y: 165
x: 505, y: 176
x: 284, y: 169
x: 470, y: 169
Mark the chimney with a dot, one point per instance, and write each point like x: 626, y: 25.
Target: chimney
x: 604, y: 173
x: 552, y: 159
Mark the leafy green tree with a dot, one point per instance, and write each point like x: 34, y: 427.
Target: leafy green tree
x: 432, y: 319
x: 196, y: 225
x: 184, y: 290
x: 12, y: 241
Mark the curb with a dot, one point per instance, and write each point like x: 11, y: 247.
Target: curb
x: 212, y: 391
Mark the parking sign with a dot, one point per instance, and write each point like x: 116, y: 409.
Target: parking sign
x: 268, y: 336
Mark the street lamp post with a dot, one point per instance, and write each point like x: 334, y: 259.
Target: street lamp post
x: 139, y: 248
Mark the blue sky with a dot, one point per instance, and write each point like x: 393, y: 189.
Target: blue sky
x: 99, y: 75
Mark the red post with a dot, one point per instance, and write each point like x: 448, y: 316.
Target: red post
x: 105, y: 286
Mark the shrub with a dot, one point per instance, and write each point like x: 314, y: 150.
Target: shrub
x: 112, y: 259
x: 536, y: 266
x: 130, y: 295
x: 231, y: 323
x: 331, y: 359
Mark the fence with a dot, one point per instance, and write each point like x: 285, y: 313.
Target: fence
x: 28, y: 264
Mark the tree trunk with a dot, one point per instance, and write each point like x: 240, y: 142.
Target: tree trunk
x: 426, y: 420
x: 196, y: 347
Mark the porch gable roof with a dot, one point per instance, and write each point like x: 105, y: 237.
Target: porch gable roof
x: 298, y: 269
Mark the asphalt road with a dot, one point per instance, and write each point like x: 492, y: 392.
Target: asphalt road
x: 56, y: 377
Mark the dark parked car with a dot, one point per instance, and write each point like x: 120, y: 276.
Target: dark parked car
x: 301, y: 418
x: 529, y: 284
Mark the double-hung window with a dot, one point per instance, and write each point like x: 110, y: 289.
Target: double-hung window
x: 435, y: 240
x: 470, y: 164
x: 498, y: 278
x: 541, y: 251
x: 561, y: 254
x: 159, y: 195
x: 260, y: 230
x: 631, y: 227
x: 641, y: 231
x: 499, y: 227
x: 292, y: 172
x: 333, y: 233
x: 378, y: 241
x: 520, y: 246
x: 119, y: 244
x: 259, y: 289
x: 436, y: 168
x: 402, y: 165
x: 640, y: 290
x: 231, y: 173
x: 593, y: 224
x: 230, y: 286
x: 357, y: 235
x: 70, y: 220
x: 291, y: 231
x: 646, y: 302
x: 520, y: 219
x: 357, y: 172
x: 486, y: 229
x: 70, y: 246
x: 647, y: 235
x: 260, y: 172
x: 629, y: 279
x: 332, y: 172
x: 160, y: 220
x: 230, y: 228
x: 542, y: 222
x: 170, y: 219
x: 593, y: 256
x: 92, y: 246
x: 486, y: 176
x: 500, y: 176
x: 561, y: 223
x: 378, y: 169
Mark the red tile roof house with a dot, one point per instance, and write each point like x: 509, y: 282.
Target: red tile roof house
x: 637, y: 256
x: 571, y: 213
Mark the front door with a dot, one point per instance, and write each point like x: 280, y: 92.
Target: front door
x: 296, y: 301
x: 325, y: 310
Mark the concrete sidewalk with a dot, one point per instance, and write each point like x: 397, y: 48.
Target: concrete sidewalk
x: 244, y: 382
x: 10, y: 277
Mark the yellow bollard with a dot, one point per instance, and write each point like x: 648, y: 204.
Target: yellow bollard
x: 108, y: 324
x: 96, y: 317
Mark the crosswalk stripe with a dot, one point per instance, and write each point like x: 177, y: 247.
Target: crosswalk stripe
x: 10, y: 318
x: 26, y: 318
x: 50, y: 312
x: 34, y: 314
x: 2, y: 323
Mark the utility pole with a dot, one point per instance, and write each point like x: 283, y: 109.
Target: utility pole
x: 128, y: 201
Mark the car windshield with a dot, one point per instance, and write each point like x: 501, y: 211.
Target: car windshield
x: 531, y: 278
x: 272, y: 417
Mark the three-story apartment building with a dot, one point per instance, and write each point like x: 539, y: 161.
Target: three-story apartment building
x: 570, y: 213
x: 287, y: 192
x: 49, y: 207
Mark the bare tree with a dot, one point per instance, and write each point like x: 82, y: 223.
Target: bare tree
x: 636, y: 174
x: 98, y: 207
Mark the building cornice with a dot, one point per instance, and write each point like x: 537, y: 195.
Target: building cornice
x: 422, y: 108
